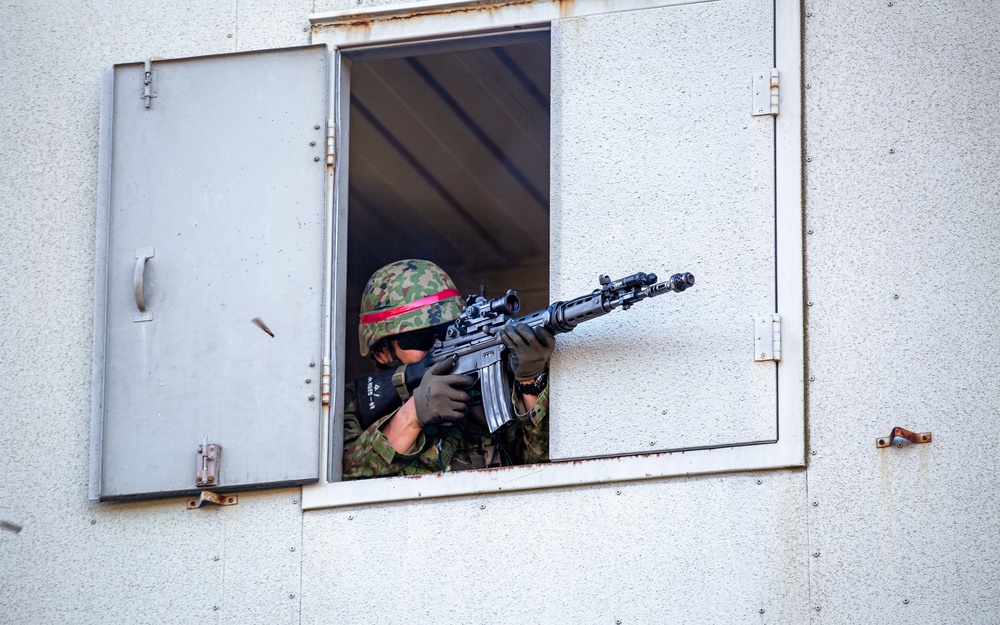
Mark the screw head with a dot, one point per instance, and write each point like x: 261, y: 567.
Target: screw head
x: 305, y: 29
x: 809, y: 159
x: 316, y: 159
x: 291, y: 595
x: 350, y: 517
x: 311, y: 143
x: 809, y: 231
x: 312, y: 364
x: 895, y: 296
x: 229, y: 36
x: 93, y: 521
x: 618, y: 492
x: 812, y: 378
x: 760, y: 482
x: 892, y: 150
x: 815, y: 503
x: 808, y: 85
x: 211, y: 478
x: 215, y: 558
x: 482, y: 506
x: 292, y: 549
x: 809, y: 303
x: 817, y: 608
x: 809, y: 14
x: 815, y: 554
x: 760, y: 611
x: 312, y: 398
x: 316, y: 127
x: 295, y: 501
x: 215, y: 607
x: 906, y: 600
x: 652, y: 443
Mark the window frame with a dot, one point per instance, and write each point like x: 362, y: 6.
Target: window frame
x: 420, y: 22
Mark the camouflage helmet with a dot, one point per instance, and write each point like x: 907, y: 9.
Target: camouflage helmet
x: 403, y: 296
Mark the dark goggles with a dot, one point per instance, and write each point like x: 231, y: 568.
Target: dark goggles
x: 422, y: 339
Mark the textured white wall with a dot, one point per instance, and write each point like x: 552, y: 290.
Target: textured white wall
x: 903, y: 199
x: 914, y: 523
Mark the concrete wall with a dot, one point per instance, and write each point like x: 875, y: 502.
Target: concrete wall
x: 901, y: 199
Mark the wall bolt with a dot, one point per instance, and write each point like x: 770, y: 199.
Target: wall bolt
x: 760, y: 611
x: 293, y: 549
x: 808, y: 85
x: 809, y: 159
x: 309, y: 380
x: 215, y: 558
x: 229, y: 36
x: 813, y: 452
x: 892, y: 150
x: 618, y: 622
x: 817, y: 608
x: 316, y: 158
x: 809, y: 14
x: 482, y: 506
x: 291, y: 595
x: 812, y: 378
x: 906, y: 600
x: 312, y: 143
x: 312, y: 364
x: 305, y: 29
x: 350, y: 517
x: 815, y: 554
x: 215, y: 607
x: 895, y: 296
x: 618, y: 492
x: 316, y: 127
x: 652, y: 443
x: 295, y: 501
x: 815, y: 503
x: 809, y: 303
x: 890, y: 3
x: 809, y: 231
x: 312, y: 397
x: 93, y: 521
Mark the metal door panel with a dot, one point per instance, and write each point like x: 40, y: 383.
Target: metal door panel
x: 659, y: 165
x: 222, y: 179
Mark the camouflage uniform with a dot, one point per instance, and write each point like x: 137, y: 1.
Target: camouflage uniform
x: 409, y: 295
x: 368, y: 453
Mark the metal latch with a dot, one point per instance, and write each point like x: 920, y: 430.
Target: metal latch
x: 207, y: 496
x: 209, y: 459
x: 765, y: 93
x: 914, y: 437
x: 767, y: 338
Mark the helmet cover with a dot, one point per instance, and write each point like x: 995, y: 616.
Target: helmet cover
x: 403, y: 296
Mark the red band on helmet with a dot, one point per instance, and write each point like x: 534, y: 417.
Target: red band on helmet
x: 382, y: 315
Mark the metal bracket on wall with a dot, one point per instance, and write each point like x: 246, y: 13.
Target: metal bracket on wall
x: 207, y: 496
x: 209, y: 459
x: 913, y: 437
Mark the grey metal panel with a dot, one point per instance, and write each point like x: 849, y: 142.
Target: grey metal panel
x: 219, y: 177
x: 657, y: 165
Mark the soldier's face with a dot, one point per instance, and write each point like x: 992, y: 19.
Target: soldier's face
x: 406, y: 356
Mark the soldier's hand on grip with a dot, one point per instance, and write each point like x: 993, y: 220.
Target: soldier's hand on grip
x: 439, y: 397
x: 529, y: 349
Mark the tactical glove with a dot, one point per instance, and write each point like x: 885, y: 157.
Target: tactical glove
x: 529, y: 349
x: 439, y: 398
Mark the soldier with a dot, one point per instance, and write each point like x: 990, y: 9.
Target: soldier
x: 405, y: 308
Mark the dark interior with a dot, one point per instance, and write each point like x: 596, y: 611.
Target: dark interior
x: 449, y: 161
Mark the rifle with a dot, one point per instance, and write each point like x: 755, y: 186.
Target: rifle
x: 473, y: 340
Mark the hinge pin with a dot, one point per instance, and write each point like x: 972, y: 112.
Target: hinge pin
x: 147, y: 82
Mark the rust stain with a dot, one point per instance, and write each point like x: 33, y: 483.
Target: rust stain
x: 365, y: 21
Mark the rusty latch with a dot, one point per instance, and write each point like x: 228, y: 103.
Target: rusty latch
x: 210, y: 497
x: 209, y: 459
x: 913, y: 437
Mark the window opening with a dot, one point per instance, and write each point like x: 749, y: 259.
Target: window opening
x: 449, y: 162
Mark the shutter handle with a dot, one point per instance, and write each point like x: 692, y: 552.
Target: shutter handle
x: 142, y: 254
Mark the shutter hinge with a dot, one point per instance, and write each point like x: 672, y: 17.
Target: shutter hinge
x: 765, y: 93
x: 147, y: 82
x: 325, y: 382
x: 331, y: 146
x: 767, y: 338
